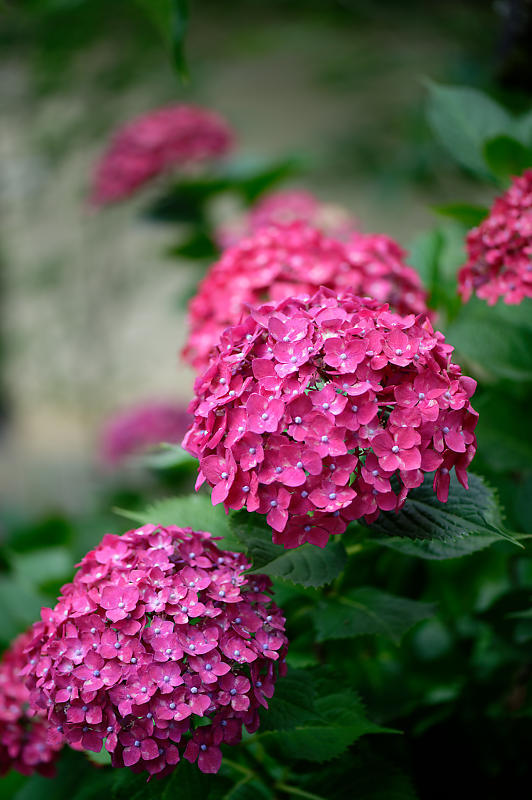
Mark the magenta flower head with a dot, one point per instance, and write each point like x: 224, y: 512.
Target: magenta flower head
x: 311, y: 407
x: 137, y: 429
x: 155, y: 143
x: 159, y: 630
x: 499, y: 250
x: 24, y: 744
x: 287, y: 260
x: 284, y: 207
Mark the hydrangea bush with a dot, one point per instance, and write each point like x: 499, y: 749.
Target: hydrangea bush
x: 25, y: 744
x: 326, y: 404
x: 280, y: 261
x: 134, y: 430
x: 158, y: 630
x: 317, y: 411
x: 155, y: 143
x: 283, y: 207
x: 499, y: 250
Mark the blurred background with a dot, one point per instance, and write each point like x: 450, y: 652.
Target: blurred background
x: 92, y: 306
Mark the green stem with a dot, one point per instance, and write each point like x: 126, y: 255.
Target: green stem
x: 294, y: 790
x: 239, y: 767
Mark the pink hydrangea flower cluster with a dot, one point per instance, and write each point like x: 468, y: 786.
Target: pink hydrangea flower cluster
x: 286, y: 206
x: 136, y: 429
x: 285, y: 260
x: 23, y: 738
x: 312, y: 407
x: 155, y: 143
x: 159, y: 632
x: 500, y: 249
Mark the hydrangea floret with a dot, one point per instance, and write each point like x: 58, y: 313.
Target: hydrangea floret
x: 499, y: 250
x: 24, y: 744
x: 155, y: 143
x: 161, y: 648
x: 285, y: 206
x: 134, y: 430
x: 285, y: 260
x: 317, y: 411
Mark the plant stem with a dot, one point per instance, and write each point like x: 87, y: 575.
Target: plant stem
x: 297, y: 792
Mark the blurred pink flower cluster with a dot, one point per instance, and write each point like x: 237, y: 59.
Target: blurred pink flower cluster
x: 135, y: 430
x: 500, y: 249
x: 24, y: 745
x: 155, y: 143
x: 280, y: 261
x: 286, y: 206
x: 158, y: 629
x: 310, y: 407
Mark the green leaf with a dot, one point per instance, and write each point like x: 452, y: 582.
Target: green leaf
x: 43, y: 566
x: 292, y: 704
x: 467, y: 214
x: 255, y: 536
x: 186, y: 782
x: 504, y: 444
x: 170, y: 17
x: 307, y: 565
x: 101, y: 759
x: 365, y: 775
x: 425, y: 252
x: 437, y: 255
x: 341, y: 721
x: 248, y: 788
x: 506, y: 156
x: 462, y: 119
x: 469, y: 521
x: 523, y: 129
x: 168, y: 456
x: 368, y: 611
x: 437, y: 550
x: 179, y: 21
x: 197, y: 246
x: 498, y: 339
x: 190, y: 511
x: 21, y: 604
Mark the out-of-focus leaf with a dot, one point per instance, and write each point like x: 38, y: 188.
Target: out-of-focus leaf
x: 424, y: 256
x: 504, y: 443
x: 462, y: 119
x: 506, y: 157
x: 437, y: 255
x: 368, y: 611
x: 187, y: 200
x: 42, y: 566
x: 168, y: 456
x: 179, y: 28
x: 21, y: 604
x: 496, y: 338
x: 467, y: 214
x: 191, y: 511
x: 53, y: 530
x: 248, y: 789
x: 364, y: 776
x: 199, y: 246
x: 523, y: 129
x: 170, y: 17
